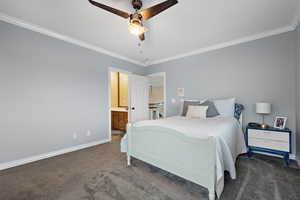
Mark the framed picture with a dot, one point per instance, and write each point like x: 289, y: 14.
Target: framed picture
x: 280, y: 122
x: 180, y: 92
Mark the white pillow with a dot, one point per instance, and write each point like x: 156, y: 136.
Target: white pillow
x: 225, y: 107
x: 196, y: 112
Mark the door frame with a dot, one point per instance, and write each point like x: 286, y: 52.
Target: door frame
x: 113, y: 69
x: 164, y: 74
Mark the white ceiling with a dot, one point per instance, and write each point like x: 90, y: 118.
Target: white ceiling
x: 190, y: 27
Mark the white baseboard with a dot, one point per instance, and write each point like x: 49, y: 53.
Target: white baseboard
x: 292, y: 156
x: 23, y: 161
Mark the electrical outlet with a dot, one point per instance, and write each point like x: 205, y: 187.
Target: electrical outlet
x: 75, y: 136
x: 88, y: 133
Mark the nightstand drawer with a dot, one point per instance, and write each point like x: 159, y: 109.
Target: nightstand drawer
x: 269, y: 135
x: 269, y: 144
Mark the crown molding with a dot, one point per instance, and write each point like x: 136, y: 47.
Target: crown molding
x: 39, y: 29
x: 226, y: 44
x: 44, y: 31
x: 296, y: 19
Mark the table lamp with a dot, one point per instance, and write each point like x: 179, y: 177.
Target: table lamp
x: 263, y: 109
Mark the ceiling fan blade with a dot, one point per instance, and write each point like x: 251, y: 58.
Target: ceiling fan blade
x: 154, y: 10
x: 142, y: 37
x: 110, y: 9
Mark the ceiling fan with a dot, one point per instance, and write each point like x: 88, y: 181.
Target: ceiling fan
x: 135, y: 25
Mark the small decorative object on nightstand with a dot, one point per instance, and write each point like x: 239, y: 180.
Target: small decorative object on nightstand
x: 269, y: 140
x: 263, y: 109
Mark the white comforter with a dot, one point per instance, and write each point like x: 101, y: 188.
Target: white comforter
x: 227, y: 131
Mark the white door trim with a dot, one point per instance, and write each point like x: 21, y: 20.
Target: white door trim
x: 165, y: 89
x: 112, y: 69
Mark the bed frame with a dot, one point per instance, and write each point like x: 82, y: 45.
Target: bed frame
x: 194, y: 161
x: 190, y: 158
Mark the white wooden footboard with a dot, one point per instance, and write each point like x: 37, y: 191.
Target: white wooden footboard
x: 186, y: 157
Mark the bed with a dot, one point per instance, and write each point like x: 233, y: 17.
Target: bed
x: 199, y: 150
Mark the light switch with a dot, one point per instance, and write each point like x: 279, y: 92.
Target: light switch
x: 75, y: 136
x: 88, y: 133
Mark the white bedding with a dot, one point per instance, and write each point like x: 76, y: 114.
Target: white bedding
x: 227, y: 131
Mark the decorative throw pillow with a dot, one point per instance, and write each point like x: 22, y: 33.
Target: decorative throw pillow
x: 212, y: 110
x: 188, y: 103
x: 238, y: 109
x: 196, y: 112
x: 225, y: 107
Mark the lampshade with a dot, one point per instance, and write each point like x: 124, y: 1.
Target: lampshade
x: 136, y: 27
x: 263, y: 108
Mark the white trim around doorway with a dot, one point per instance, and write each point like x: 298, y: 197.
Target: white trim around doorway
x: 165, y: 89
x: 112, y: 69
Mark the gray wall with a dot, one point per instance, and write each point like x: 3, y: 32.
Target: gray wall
x: 298, y: 88
x: 49, y: 90
x: 261, y: 70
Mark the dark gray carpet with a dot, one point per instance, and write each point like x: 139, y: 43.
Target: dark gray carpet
x: 100, y: 173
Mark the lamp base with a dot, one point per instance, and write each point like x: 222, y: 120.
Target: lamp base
x: 264, y: 126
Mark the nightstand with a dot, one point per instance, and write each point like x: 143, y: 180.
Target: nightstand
x: 269, y: 140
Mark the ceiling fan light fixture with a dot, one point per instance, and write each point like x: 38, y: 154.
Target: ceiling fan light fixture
x: 136, y: 27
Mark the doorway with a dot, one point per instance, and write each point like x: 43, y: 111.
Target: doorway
x: 118, y: 102
x: 157, y: 96
x: 128, y: 99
